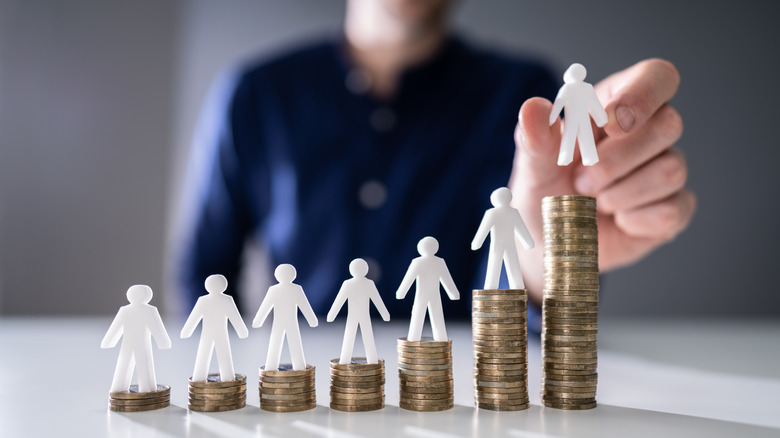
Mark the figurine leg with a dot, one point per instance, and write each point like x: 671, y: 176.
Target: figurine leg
x: 296, y: 348
x: 416, y: 324
x: 436, y: 313
x: 147, y: 381
x: 202, y: 360
x: 513, y: 270
x: 124, y: 371
x: 587, y: 145
x: 566, y: 154
x: 225, y: 360
x: 348, y: 344
x: 368, y: 342
x: 274, y: 349
x: 493, y: 271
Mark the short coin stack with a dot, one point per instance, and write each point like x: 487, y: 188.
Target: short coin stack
x: 500, y: 341
x: 357, y: 386
x: 425, y: 373
x: 287, y: 390
x: 214, y: 395
x: 134, y: 401
x: 570, y: 307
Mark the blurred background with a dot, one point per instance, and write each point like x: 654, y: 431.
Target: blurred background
x: 98, y: 103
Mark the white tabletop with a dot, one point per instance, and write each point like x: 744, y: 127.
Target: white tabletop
x: 656, y: 378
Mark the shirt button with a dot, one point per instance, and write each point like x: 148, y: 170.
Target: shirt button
x: 372, y: 194
x: 358, y: 81
x: 374, y: 269
x: 383, y: 119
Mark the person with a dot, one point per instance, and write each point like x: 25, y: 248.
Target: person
x: 396, y: 129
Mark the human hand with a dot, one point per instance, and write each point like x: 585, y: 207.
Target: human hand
x: 639, y: 182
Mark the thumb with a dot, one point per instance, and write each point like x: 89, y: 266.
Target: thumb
x: 537, y: 146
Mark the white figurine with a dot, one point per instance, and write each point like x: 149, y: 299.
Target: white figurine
x: 358, y: 292
x: 579, y: 102
x: 429, y: 271
x: 215, y: 309
x: 137, y: 322
x: 285, y: 299
x: 503, y: 222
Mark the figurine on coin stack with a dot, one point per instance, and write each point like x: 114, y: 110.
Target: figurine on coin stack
x: 357, y: 384
x: 286, y: 387
x: 503, y: 223
x: 499, y: 329
x: 578, y: 101
x: 429, y: 271
x: 137, y: 322
x: 226, y: 390
x: 424, y: 364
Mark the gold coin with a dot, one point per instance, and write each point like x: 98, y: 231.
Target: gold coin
x: 213, y: 381
x: 223, y: 408
x: 426, y: 373
x: 415, y: 397
x: 368, y: 390
x: 425, y: 408
x: 139, y: 402
x: 205, y: 404
x: 287, y: 391
x: 350, y: 398
x: 502, y: 407
x: 356, y: 408
x: 139, y: 408
x: 433, y: 378
x: 360, y: 363
x: 425, y: 389
x: 424, y: 342
x: 357, y: 373
x: 357, y: 385
x: 286, y: 370
x: 296, y: 408
x: 286, y: 403
x: 134, y: 393
x: 292, y: 379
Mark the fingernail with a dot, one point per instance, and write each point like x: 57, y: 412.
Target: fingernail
x: 583, y: 185
x: 625, y: 117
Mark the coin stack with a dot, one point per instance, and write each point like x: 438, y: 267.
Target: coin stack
x: 570, y: 307
x: 358, y: 386
x: 287, y: 390
x: 425, y: 372
x: 214, y: 395
x: 500, y: 349
x: 134, y: 401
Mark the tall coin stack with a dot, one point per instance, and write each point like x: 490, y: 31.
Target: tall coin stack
x: 214, y: 395
x: 134, y: 401
x: 358, y: 386
x: 570, y: 307
x: 425, y: 373
x: 500, y: 341
x: 287, y: 390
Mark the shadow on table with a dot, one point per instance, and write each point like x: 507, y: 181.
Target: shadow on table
x: 605, y: 421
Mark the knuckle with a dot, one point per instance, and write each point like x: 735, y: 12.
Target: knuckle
x: 669, y: 124
x: 674, y: 169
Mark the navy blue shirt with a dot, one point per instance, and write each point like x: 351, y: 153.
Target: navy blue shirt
x: 305, y: 160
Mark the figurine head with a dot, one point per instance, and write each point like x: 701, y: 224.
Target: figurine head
x: 285, y: 273
x: 428, y: 246
x: 575, y: 73
x: 501, y: 197
x: 358, y: 268
x: 139, y: 294
x: 216, y: 284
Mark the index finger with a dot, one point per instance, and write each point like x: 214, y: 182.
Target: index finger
x: 633, y: 95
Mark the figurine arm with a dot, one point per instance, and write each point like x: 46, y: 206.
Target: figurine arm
x: 235, y: 319
x: 558, y: 105
x: 521, y: 231
x: 263, y: 311
x: 377, y: 300
x: 482, y: 232
x: 449, y: 284
x: 406, y: 283
x: 341, y: 297
x: 597, y: 110
x: 114, y: 332
x: 306, y: 309
x: 158, y: 331
x: 192, y: 321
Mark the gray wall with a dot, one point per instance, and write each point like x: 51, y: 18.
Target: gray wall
x: 94, y: 100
